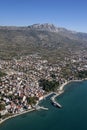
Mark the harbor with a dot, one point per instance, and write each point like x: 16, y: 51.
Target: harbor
x: 54, y: 102
x: 54, y: 118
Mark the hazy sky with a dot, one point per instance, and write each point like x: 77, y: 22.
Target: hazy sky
x: 71, y: 14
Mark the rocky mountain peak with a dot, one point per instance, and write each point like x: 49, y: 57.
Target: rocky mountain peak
x: 45, y: 27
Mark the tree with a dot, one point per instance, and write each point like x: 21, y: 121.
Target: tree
x: 53, y: 76
x: 49, y: 85
x: 31, y: 100
x: 2, y: 74
x: 0, y: 115
x: 2, y: 106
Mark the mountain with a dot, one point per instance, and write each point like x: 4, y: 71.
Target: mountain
x: 44, y: 27
x: 61, y: 31
x: 46, y: 39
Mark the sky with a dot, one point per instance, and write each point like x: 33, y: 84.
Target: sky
x: 70, y: 14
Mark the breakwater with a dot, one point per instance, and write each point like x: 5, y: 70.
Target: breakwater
x: 54, y: 102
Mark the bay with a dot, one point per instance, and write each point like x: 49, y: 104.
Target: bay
x: 72, y: 116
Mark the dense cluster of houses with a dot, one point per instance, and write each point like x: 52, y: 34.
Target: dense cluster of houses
x: 22, y: 79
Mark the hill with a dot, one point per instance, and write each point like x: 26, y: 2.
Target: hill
x: 45, y: 39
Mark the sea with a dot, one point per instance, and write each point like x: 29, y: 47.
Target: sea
x: 72, y: 115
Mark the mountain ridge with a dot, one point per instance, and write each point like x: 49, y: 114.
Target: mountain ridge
x: 38, y: 26
x: 17, y: 41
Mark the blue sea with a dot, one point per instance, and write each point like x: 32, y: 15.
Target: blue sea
x: 72, y: 116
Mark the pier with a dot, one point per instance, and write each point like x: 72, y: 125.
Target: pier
x: 43, y: 108
x: 40, y: 107
x: 54, y: 101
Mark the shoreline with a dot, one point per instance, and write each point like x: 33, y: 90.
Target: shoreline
x: 60, y: 91
x: 18, y: 114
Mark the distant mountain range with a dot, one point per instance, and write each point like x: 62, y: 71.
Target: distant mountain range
x: 61, y: 31
x: 45, y: 39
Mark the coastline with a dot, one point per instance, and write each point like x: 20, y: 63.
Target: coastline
x: 18, y: 114
x: 60, y: 91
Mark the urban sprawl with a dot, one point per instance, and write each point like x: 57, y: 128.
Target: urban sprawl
x: 20, y: 89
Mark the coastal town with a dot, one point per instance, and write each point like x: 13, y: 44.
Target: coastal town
x: 20, y: 87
